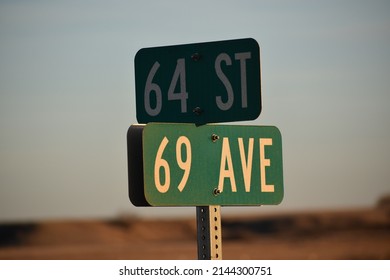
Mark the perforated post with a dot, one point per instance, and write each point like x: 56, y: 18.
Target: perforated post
x: 209, y: 232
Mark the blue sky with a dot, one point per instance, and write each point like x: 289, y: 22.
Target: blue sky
x: 67, y: 97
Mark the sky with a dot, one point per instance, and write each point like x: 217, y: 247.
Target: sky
x: 67, y: 98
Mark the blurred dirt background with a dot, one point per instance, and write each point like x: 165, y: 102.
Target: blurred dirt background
x: 337, y: 234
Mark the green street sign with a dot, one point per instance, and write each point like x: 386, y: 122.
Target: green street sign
x: 188, y: 165
x: 199, y: 83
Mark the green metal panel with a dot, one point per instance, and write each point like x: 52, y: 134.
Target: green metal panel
x: 199, y: 83
x: 188, y: 165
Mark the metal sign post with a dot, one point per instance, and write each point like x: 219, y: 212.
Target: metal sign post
x: 209, y: 232
x: 178, y: 158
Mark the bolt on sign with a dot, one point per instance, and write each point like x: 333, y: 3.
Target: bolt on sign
x: 199, y: 83
x: 185, y: 165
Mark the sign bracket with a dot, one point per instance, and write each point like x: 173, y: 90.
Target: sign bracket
x: 209, y: 232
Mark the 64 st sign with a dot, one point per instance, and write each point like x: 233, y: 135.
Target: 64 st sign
x: 199, y: 83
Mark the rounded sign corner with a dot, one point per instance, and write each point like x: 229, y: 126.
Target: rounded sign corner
x: 138, y: 54
x: 281, y: 197
x: 150, y: 202
x: 254, y: 41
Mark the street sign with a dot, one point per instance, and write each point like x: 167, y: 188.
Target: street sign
x: 199, y: 83
x: 186, y: 165
x: 135, y: 165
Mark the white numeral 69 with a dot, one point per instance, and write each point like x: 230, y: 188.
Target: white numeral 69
x: 163, y: 187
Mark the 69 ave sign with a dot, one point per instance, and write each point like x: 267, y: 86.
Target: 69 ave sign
x: 186, y: 165
x: 199, y: 83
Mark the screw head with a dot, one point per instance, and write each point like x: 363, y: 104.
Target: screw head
x: 195, y: 57
x: 214, y: 137
x: 216, y: 191
x: 198, y: 111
